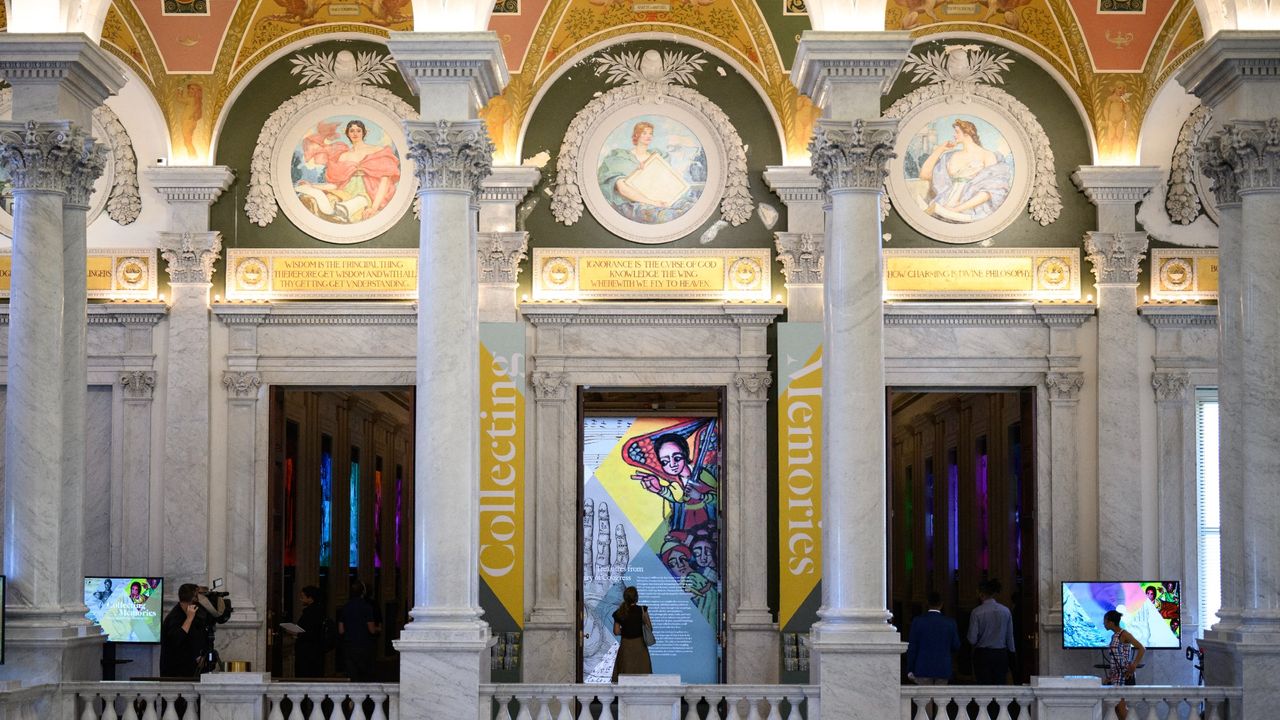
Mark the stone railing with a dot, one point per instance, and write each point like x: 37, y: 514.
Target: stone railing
x: 607, y: 702
x: 1151, y: 702
x: 29, y: 703
x: 224, y: 697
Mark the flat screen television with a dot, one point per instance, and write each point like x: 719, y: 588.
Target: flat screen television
x: 128, y: 609
x: 1151, y: 612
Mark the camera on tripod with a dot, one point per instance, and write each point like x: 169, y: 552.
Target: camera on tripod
x: 214, y: 609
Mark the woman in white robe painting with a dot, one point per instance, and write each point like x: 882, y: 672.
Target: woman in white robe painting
x: 967, y: 181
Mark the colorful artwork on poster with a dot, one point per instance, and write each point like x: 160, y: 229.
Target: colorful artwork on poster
x: 128, y: 609
x: 1151, y: 611
x: 652, y: 169
x: 651, y: 519
x: 345, y: 169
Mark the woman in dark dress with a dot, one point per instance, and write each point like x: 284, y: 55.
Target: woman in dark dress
x: 309, y: 647
x: 629, y: 622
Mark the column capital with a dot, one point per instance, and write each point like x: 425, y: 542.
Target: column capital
x: 138, y: 384
x: 190, y: 255
x: 1229, y: 59
x: 1064, y: 385
x: 1250, y: 151
x: 802, y: 256
x: 450, y: 155
x: 509, y: 184
x: 1170, y: 387
x: 41, y: 156
x: 84, y: 173
x: 793, y: 183
x: 843, y: 71
x: 429, y: 60
x: 755, y: 386
x: 1115, y: 256
x: 1116, y: 184
x: 852, y: 155
x: 242, y: 385
x: 549, y: 385
x: 499, y: 255
x: 189, y: 183
x: 57, y: 75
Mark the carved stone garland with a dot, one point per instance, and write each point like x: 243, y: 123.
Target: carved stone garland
x: 962, y: 82
x: 1184, y: 200
x: 260, y: 204
x: 124, y: 202
x: 567, y: 202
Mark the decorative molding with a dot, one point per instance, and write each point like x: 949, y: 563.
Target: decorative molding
x: 40, y: 156
x: 852, y: 155
x: 241, y: 384
x: 86, y: 170
x: 985, y: 314
x: 1116, y: 257
x: 1170, y: 386
x: 318, y: 313
x: 650, y: 313
x: 338, y: 80
x: 650, y: 78
x: 190, y: 256
x: 190, y: 184
x: 450, y: 155
x: 499, y: 255
x: 549, y: 385
x: 1251, y: 149
x: 802, y: 256
x: 1184, y: 198
x: 958, y: 74
x: 138, y: 384
x: 754, y: 385
x: 1064, y: 386
x: 1180, y: 317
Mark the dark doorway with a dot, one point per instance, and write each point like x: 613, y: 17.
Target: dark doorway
x: 962, y: 509
x: 341, y: 509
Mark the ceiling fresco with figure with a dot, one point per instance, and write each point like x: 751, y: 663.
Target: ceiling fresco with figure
x: 1113, y: 54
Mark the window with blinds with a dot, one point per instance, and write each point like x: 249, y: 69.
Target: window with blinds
x: 1208, y: 526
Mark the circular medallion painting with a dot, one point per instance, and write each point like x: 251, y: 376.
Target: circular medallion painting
x: 652, y: 173
x: 960, y: 176
x: 341, y: 175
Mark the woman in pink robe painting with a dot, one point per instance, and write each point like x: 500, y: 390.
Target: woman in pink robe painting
x: 360, y: 179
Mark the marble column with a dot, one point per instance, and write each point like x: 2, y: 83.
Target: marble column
x: 858, y: 651
x: 1116, y: 252
x: 801, y: 245
x: 57, y: 81
x: 502, y: 243
x: 1235, y: 76
x: 549, y: 641
x: 454, y: 74
x: 136, y: 507
x: 1176, y: 490
x: 189, y: 250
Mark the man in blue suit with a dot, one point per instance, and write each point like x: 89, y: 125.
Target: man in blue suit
x: 932, y: 640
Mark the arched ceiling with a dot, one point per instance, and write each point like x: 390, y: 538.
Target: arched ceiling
x: 1113, y: 54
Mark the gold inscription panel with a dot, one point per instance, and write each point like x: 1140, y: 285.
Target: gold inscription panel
x: 128, y: 274
x: 301, y: 274
x: 1029, y: 274
x: 572, y: 274
x: 1184, y: 274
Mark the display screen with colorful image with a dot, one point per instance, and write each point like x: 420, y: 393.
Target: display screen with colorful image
x: 128, y: 609
x: 651, y: 519
x: 1151, y: 612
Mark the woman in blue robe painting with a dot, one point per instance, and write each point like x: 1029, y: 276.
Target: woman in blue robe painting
x: 967, y: 181
x: 620, y: 166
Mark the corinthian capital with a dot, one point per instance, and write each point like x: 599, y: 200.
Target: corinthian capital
x: 852, y: 155
x: 190, y: 256
x: 1250, y: 150
x: 1064, y: 385
x: 41, y: 156
x: 1115, y: 256
x: 1170, y: 386
x: 450, y: 155
x: 241, y: 384
x: 138, y: 384
x: 801, y: 255
x: 1212, y: 154
x: 548, y: 385
x: 753, y: 385
x: 500, y: 254
x: 84, y: 173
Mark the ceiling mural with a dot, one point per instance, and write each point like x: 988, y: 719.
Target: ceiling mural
x: 1114, y: 54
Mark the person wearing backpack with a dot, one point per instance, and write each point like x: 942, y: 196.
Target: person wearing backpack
x: 310, y: 647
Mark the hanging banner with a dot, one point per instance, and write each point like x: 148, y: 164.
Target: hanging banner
x: 502, y: 491
x: 799, y: 473
x: 651, y: 512
x: 1184, y: 274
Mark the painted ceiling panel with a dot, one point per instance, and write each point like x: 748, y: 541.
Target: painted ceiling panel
x: 187, y: 33
x: 1120, y: 33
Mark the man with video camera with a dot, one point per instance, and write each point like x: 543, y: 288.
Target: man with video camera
x: 187, y: 635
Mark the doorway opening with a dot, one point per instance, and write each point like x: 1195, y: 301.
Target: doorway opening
x: 340, y: 506
x: 650, y: 489
x: 962, y: 481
